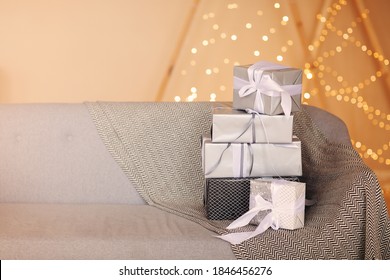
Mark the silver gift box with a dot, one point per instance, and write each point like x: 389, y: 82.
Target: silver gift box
x: 237, y: 126
x: 241, y: 160
x: 288, y: 201
x: 271, y: 104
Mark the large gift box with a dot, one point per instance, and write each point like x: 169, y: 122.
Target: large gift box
x: 222, y: 160
x: 267, y: 88
x: 238, y: 126
x: 274, y: 203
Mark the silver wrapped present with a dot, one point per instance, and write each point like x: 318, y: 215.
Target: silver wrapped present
x: 237, y: 126
x: 287, y: 199
x: 273, y: 204
x: 222, y: 160
x: 267, y: 88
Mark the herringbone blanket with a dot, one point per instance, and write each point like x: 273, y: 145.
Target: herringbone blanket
x: 158, y: 147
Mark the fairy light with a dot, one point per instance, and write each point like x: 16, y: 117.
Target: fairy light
x: 232, y: 6
x: 331, y: 83
x: 349, y: 93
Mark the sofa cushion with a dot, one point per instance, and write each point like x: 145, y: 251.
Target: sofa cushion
x: 51, y: 153
x: 103, y: 231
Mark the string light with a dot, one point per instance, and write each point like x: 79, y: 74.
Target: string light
x: 331, y: 83
x: 348, y: 93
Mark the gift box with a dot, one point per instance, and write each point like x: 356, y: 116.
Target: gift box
x: 228, y: 198
x: 238, y: 126
x: 273, y: 203
x: 287, y: 199
x: 223, y: 160
x: 267, y: 88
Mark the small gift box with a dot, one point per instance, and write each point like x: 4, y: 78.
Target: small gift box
x: 238, y: 126
x: 267, y: 88
x: 273, y: 203
x: 223, y: 160
x: 287, y: 199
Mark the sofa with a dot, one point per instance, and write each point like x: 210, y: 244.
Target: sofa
x: 64, y: 194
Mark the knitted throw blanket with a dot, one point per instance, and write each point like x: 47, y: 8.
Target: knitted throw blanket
x: 158, y: 147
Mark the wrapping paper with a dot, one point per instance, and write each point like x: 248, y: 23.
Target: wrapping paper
x: 283, y: 198
x: 221, y: 160
x: 237, y: 126
x: 226, y: 198
x: 264, y: 86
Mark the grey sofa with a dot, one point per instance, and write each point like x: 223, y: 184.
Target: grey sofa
x: 63, y: 196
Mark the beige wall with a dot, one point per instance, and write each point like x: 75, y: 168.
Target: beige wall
x: 77, y: 50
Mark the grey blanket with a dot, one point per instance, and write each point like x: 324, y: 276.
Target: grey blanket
x: 158, y: 147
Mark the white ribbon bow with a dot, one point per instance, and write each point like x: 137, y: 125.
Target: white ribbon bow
x: 263, y: 84
x: 270, y: 220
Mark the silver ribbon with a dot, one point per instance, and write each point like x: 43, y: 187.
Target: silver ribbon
x: 251, y: 124
x: 239, y: 166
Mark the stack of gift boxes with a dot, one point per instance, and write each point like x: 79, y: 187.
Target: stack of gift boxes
x: 253, y: 141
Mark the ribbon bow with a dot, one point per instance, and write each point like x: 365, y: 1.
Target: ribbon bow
x: 270, y: 220
x: 263, y: 84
